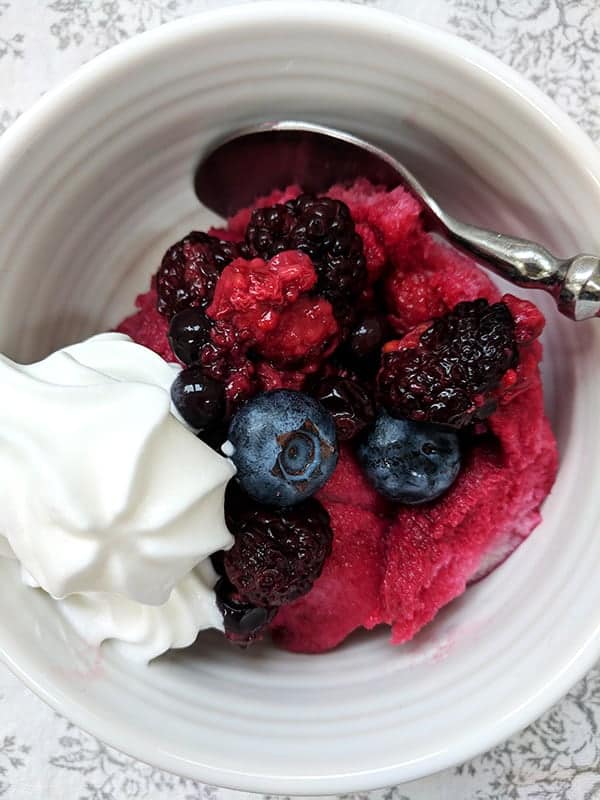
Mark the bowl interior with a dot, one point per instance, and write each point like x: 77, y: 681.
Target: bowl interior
x: 94, y: 186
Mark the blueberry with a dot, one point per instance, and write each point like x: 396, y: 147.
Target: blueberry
x: 199, y: 398
x: 409, y: 462
x: 284, y: 447
x: 189, y: 331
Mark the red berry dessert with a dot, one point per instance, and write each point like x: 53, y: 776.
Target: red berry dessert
x: 380, y: 400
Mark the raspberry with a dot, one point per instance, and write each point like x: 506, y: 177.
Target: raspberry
x: 447, y: 373
x: 278, y: 552
x: 428, y: 280
x: 240, y: 384
x: 306, y: 334
x: 263, y: 306
x: 323, y: 229
x: 250, y: 296
x: 529, y: 320
x: 349, y: 403
x: 375, y: 255
x: 395, y: 215
x: 146, y: 326
x: 269, y: 377
x: 189, y: 271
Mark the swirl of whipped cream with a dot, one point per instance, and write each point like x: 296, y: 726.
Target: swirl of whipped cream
x: 141, y: 632
x: 107, y: 492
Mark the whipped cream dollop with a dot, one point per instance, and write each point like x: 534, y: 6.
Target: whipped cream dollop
x: 111, y: 504
x: 140, y: 632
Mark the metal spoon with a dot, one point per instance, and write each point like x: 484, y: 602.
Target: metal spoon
x: 253, y: 161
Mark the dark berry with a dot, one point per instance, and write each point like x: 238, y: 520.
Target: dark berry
x: 348, y: 401
x: 449, y: 373
x: 323, y: 229
x: 366, y: 337
x: 189, y: 331
x: 233, y: 369
x: 215, y: 361
x: 215, y: 436
x: 243, y: 622
x: 199, y: 398
x: 278, y: 552
x: 269, y: 230
x: 189, y: 272
x: 218, y: 562
x: 409, y: 462
x: 283, y: 445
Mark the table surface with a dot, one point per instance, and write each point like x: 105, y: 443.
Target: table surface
x: 556, y: 43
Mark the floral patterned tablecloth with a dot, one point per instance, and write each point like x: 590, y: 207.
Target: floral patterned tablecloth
x: 42, y: 756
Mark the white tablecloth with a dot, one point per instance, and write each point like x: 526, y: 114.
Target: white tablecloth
x: 44, y: 757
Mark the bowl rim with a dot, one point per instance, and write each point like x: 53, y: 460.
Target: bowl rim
x: 489, y: 71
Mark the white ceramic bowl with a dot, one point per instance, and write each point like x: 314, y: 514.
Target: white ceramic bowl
x: 96, y: 180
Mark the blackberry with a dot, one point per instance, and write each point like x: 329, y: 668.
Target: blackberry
x: 269, y: 230
x: 348, y: 401
x: 450, y: 374
x: 189, y: 272
x: 323, y: 229
x: 244, y: 622
x: 278, y: 552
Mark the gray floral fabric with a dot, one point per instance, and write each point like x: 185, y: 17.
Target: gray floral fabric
x: 556, y: 43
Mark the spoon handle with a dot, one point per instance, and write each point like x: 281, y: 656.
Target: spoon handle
x: 574, y: 282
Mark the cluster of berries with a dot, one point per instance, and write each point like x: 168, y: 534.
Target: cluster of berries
x: 286, y: 354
